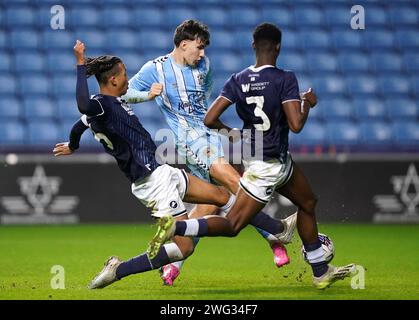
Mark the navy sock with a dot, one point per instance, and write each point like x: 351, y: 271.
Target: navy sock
x: 197, y: 228
x: 142, y: 263
x: 267, y: 223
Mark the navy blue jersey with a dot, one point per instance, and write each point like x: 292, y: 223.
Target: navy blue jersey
x: 259, y: 94
x: 123, y: 136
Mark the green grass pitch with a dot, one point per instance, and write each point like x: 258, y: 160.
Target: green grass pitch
x: 221, y: 268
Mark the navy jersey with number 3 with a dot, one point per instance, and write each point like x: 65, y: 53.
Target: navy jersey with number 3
x: 259, y: 94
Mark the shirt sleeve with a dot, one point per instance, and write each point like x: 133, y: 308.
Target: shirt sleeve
x: 290, y: 91
x: 75, y: 135
x: 228, y: 91
x: 144, y: 78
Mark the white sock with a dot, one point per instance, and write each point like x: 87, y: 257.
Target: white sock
x: 173, y: 252
x: 178, y: 264
x: 225, y: 209
x: 316, y: 256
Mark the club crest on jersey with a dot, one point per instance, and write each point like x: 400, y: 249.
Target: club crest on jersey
x: 126, y: 107
x: 201, y: 78
x: 269, y: 191
x: 173, y: 204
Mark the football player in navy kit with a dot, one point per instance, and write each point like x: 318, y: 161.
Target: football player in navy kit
x: 268, y: 101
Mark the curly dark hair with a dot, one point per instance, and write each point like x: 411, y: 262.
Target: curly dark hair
x: 191, y: 30
x: 103, y: 67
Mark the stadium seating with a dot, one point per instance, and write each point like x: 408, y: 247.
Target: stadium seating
x: 367, y: 81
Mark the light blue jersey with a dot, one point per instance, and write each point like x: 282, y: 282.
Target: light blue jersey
x: 184, y: 103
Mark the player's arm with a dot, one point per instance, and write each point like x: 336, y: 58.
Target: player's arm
x: 212, y: 117
x: 297, y: 112
x: 135, y: 96
x: 67, y: 148
x: 143, y: 86
x: 85, y: 105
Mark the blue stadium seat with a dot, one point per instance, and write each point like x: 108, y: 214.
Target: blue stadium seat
x: 243, y: 39
x: 117, y: 17
x: 353, y: 62
x: 290, y: 40
x: 24, y: 39
x: 386, y: 62
x: 61, y: 62
x: 133, y: 61
x: 407, y: 39
x: 313, y: 133
x: 411, y: 62
x: 66, y: 109
x: 94, y: 39
x: 315, y: 39
x: 294, y: 62
x: 322, y: 62
x: 64, y: 85
x: 415, y: 84
x: 376, y: 16
x: 161, y: 40
x: 347, y: 40
x: 338, y: 16
x: 57, y: 39
x: 404, y: 16
x: 336, y: 109
x: 43, y: 132
x: 35, y: 108
x: 402, y: 108
x: 343, y: 133
x: 362, y: 85
x: 20, y: 16
x: 175, y: 15
x: 394, y: 85
x: 83, y: 16
x: 244, y: 16
x: 213, y: 16
x: 377, y: 40
x: 221, y: 40
x: 330, y: 85
x: 8, y: 83
x: 5, y: 62
x: 123, y: 39
x: 376, y: 133
x: 10, y: 108
x: 34, y: 85
x: 3, y: 42
x: 29, y: 62
x: 150, y: 17
x: 308, y: 16
x: 407, y: 133
x: 12, y: 132
x: 369, y: 109
x: 226, y: 62
x: 280, y: 15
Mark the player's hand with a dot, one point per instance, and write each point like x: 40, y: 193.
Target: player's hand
x: 155, y: 90
x: 79, y: 50
x: 62, y: 149
x: 310, y: 97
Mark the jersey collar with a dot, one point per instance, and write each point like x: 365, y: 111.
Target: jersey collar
x: 252, y: 68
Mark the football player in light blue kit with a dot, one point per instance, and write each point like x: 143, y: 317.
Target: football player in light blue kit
x: 185, y: 81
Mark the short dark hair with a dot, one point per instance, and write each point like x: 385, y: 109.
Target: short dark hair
x: 191, y: 30
x: 103, y: 67
x: 267, y: 32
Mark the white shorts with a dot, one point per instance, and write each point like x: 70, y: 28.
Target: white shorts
x: 163, y: 191
x: 260, y: 178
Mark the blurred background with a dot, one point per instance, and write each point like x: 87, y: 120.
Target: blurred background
x: 367, y: 82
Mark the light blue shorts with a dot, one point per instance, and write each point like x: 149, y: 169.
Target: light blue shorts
x: 201, y: 153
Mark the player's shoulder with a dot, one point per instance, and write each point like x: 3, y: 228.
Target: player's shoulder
x: 160, y: 59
